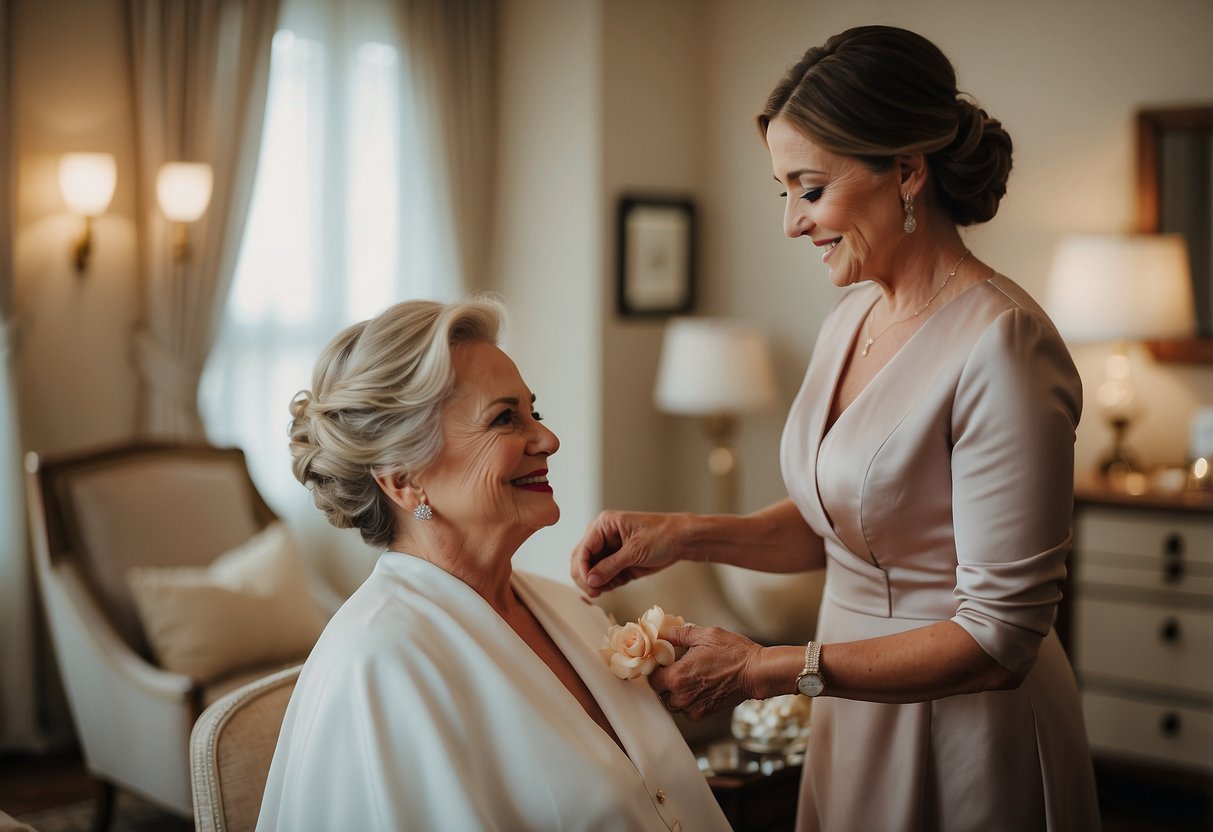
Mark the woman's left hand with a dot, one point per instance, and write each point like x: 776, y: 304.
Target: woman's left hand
x: 714, y: 673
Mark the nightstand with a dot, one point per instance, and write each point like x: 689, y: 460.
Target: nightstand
x: 1141, y: 630
x: 756, y: 792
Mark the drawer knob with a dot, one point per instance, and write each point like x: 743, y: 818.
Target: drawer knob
x: 1174, y: 544
x: 1170, y: 724
x: 1169, y: 631
x: 1173, y: 557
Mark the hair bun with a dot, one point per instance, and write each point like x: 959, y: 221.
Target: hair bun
x: 971, y: 172
x: 300, y: 404
x: 303, y: 441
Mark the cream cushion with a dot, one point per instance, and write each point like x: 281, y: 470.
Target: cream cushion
x: 250, y: 607
x: 774, y: 608
x: 158, y: 508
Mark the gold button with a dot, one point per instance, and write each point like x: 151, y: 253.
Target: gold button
x: 661, y: 795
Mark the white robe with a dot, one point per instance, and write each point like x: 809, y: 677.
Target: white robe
x: 419, y: 708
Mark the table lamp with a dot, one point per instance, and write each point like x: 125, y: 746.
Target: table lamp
x: 1119, y: 288
x: 715, y: 369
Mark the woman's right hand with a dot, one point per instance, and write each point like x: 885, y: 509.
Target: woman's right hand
x: 621, y: 546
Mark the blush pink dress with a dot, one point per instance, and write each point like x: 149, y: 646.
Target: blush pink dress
x: 944, y: 492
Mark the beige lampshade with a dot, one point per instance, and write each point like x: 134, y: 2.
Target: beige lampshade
x: 1121, y: 287
x: 713, y: 367
x: 184, y: 190
x: 87, y: 181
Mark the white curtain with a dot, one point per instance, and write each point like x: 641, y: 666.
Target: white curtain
x: 199, y: 70
x: 371, y: 188
x: 453, y: 57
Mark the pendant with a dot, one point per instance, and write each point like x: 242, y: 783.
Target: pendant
x: 867, y: 347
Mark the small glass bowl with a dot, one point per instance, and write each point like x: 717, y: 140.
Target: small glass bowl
x: 779, y: 725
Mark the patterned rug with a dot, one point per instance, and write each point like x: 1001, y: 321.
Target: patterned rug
x: 130, y: 815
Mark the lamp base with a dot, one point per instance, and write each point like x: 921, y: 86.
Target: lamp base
x: 722, y: 462
x: 1119, y: 460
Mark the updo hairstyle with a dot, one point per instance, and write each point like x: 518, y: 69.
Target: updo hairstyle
x: 875, y: 92
x: 376, y: 406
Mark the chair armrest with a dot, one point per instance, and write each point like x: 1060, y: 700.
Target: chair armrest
x: 79, y: 623
x: 115, y: 696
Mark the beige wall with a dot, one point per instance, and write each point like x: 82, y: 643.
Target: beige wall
x: 76, y: 385
x: 549, y: 249
x: 653, y: 143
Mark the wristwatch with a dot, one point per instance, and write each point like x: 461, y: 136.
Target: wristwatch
x: 810, y: 682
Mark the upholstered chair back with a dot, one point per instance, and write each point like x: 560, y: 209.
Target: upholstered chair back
x: 151, y: 505
x: 231, y: 748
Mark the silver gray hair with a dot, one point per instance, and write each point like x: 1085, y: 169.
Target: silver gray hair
x: 375, y: 406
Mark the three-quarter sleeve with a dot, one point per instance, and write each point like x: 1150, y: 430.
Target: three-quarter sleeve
x: 1013, y: 422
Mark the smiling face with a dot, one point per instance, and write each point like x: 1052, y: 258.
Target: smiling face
x: 489, y: 482
x: 854, y: 215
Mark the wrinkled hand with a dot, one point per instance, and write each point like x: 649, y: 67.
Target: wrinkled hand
x: 621, y: 546
x: 713, y: 674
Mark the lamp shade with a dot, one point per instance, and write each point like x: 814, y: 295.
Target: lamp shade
x: 184, y: 190
x: 87, y: 181
x: 713, y: 367
x: 1121, y: 287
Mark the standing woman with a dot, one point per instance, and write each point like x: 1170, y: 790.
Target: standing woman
x: 928, y: 460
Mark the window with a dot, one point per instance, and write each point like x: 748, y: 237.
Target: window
x: 325, y: 243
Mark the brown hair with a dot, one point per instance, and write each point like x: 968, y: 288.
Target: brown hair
x: 875, y: 92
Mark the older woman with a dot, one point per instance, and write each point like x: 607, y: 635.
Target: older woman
x: 449, y: 691
x: 928, y: 458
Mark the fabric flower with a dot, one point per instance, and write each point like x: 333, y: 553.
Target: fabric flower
x: 636, y: 648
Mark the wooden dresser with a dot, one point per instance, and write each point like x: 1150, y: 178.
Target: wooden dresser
x: 1141, y: 629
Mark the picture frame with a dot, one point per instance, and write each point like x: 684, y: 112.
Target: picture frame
x: 656, y: 256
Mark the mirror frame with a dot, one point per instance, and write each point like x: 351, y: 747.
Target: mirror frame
x: 1151, y: 124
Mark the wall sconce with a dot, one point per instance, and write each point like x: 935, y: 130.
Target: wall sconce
x: 184, y: 191
x: 87, y: 182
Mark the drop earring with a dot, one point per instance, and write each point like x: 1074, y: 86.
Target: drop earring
x: 423, y: 512
x: 911, y: 224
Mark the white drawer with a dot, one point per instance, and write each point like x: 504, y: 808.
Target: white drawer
x: 1162, y: 550
x: 1145, y: 729
x: 1149, y: 645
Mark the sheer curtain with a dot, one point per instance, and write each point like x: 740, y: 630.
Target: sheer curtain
x: 352, y: 210
x: 198, y: 71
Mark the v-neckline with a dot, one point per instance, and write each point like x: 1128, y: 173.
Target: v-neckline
x: 841, y: 364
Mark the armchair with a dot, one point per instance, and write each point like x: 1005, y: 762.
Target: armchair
x: 94, y: 516
x: 231, y: 748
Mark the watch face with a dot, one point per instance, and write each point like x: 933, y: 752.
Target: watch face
x: 810, y: 684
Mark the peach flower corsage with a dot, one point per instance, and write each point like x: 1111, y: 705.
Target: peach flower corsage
x: 636, y: 649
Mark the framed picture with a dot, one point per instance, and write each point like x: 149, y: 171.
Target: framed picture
x: 656, y: 256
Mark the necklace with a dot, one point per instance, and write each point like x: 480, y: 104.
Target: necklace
x: 867, y: 323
